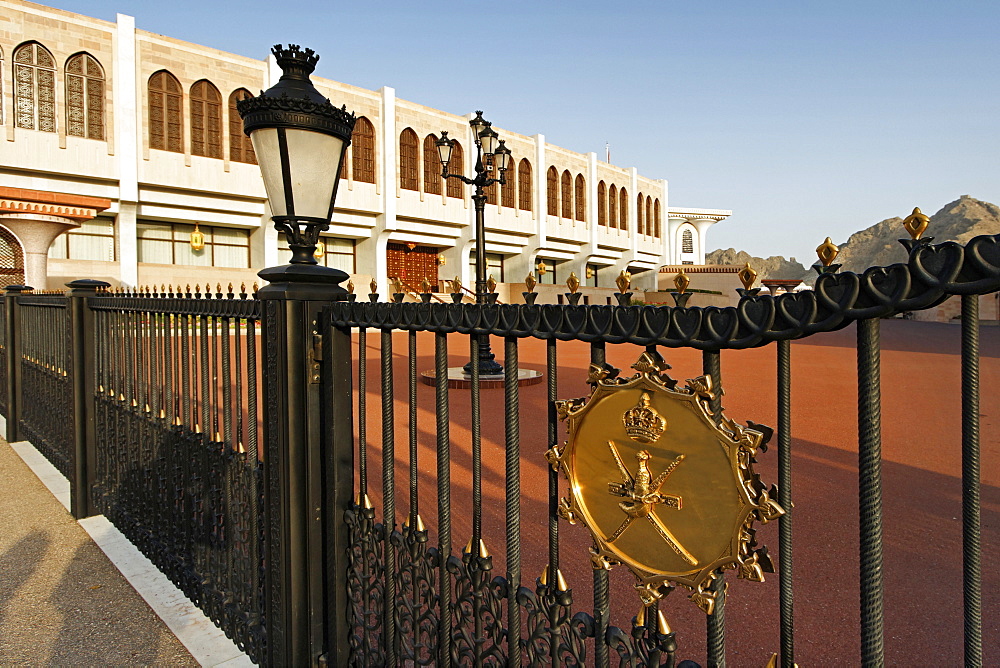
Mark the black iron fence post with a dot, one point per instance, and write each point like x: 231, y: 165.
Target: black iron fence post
x: 83, y: 374
x: 13, y: 336
x: 294, y: 463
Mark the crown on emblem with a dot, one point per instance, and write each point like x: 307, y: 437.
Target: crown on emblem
x: 642, y: 422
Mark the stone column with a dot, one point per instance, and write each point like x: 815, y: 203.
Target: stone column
x: 36, y: 232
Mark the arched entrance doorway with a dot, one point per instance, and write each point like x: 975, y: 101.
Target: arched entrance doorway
x: 11, y: 259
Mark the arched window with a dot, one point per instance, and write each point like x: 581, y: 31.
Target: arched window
x: 432, y: 166
x: 602, y: 204
x: 552, y: 191
x: 84, y: 97
x: 623, y: 210
x: 491, y: 193
x: 363, y: 149
x: 638, y: 214
x: 408, y: 159
x: 687, y: 242
x: 566, y: 194
x: 649, y: 215
x: 456, y: 166
x: 206, y: 120
x: 165, y: 96
x: 34, y: 88
x: 580, y: 188
x: 1, y: 85
x: 656, y: 218
x: 613, y: 206
x: 508, y: 192
x: 240, y: 148
x: 525, y: 188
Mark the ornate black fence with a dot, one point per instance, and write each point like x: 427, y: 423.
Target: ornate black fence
x: 274, y: 495
x: 419, y: 597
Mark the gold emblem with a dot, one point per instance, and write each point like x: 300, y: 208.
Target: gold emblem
x: 827, y: 252
x: 747, y: 276
x: 916, y: 223
x: 662, y: 487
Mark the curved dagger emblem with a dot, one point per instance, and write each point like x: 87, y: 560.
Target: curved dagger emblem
x: 642, y: 494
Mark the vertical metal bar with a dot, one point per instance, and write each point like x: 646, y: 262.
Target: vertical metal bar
x: 411, y: 428
x: 552, y: 395
x: 389, y: 499
x: 785, y: 499
x: 241, y: 440
x: 362, y: 415
x: 216, y: 363
x: 477, y: 450
x: 169, y: 408
x: 715, y: 625
x: 252, y: 422
x: 187, y: 391
x: 444, y: 495
x: 870, y: 486
x: 512, y: 439
x: 204, y: 373
x: 971, y: 564
x: 602, y: 594
x: 477, y: 486
x: 227, y: 384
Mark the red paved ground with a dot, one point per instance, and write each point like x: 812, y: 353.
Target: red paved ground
x: 922, y: 488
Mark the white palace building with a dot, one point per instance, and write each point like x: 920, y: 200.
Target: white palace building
x: 117, y: 143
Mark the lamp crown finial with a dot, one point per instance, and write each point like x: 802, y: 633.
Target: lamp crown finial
x: 295, y: 58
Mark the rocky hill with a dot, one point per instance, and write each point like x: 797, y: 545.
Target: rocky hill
x: 959, y: 221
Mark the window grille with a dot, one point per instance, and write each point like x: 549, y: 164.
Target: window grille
x: 34, y: 88
x: 656, y: 218
x: 687, y: 242
x: 623, y: 212
x: 165, y: 98
x: 84, y: 97
x: 408, y: 159
x: 1, y: 86
x: 649, y: 215
x: 240, y: 148
x: 552, y: 181
x: 456, y: 166
x: 206, y: 120
x: 581, y: 197
x: 491, y: 193
x: 566, y: 195
x: 11, y: 259
x: 508, y: 191
x: 638, y: 214
x: 613, y: 206
x: 525, y: 187
x: 602, y: 204
x: 363, y: 149
x: 432, y: 166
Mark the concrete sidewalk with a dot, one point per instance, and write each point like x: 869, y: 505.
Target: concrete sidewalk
x: 62, y: 601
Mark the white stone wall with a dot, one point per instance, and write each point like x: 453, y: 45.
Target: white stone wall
x: 156, y: 185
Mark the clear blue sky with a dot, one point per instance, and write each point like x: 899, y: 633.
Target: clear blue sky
x: 807, y: 119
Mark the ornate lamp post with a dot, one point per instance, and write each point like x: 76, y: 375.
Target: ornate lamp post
x: 300, y: 139
x: 492, y: 157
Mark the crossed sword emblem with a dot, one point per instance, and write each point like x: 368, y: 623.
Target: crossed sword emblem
x: 642, y: 494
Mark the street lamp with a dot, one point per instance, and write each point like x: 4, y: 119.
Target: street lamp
x: 491, y: 154
x: 300, y: 140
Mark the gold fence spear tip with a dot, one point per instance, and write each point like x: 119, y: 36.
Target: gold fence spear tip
x: 425, y: 285
x: 197, y: 288
x: 747, y: 276
x: 530, y: 282
x: 573, y: 283
x: 456, y: 285
x: 243, y: 287
x: 491, y: 284
x: 230, y: 289
x: 916, y: 223
x: 373, y: 286
x: 350, y: 286
x: 218, y: 287
x: 255, y: 286
x: 827, y: 252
